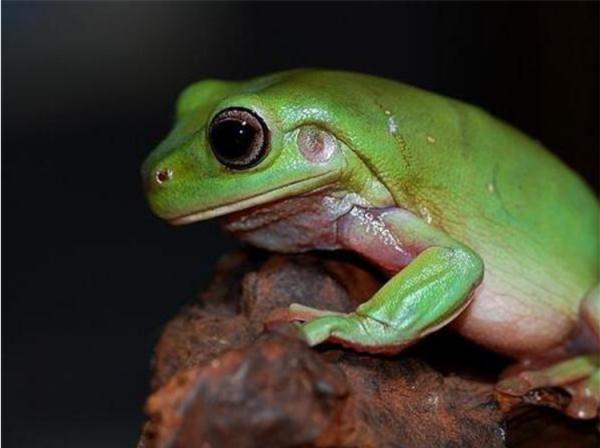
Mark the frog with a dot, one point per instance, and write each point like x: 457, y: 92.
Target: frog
x: 476, y: 226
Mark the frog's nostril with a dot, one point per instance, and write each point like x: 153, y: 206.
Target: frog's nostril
x: 163, y: 175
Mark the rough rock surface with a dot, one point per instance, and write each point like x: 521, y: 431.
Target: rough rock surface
x: 219, y: 380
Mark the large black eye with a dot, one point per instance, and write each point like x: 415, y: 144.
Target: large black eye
x: 238, y: 137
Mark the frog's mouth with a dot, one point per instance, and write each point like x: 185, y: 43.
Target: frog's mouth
x: 294, y: 188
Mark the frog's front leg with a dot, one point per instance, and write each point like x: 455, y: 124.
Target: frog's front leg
x: 433, y: 288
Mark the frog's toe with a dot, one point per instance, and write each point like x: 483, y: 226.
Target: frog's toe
x: 306, y: 313
x: 296, y: 313
x: 522, y: 383
x: 585, y: 402
x: 336, y: 326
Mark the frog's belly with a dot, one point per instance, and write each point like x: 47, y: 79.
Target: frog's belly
x: 507, y: 322
x: 526, y: 304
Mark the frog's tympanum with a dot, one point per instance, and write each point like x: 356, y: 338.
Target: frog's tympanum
x: 476, y: 224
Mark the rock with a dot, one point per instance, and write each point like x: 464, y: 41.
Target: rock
x: 220, y: 380
x: 276, y: 392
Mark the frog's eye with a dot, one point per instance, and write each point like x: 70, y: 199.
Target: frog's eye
x: 239, y: 138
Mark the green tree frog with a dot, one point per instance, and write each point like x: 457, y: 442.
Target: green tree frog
x: 476, y: 224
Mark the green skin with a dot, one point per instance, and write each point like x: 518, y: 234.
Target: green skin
x: 478, y: 225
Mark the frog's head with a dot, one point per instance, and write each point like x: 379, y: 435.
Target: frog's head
x: 237, y: 145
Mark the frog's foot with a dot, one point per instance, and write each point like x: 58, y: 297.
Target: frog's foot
x: 580, y: 376
x: 354, y: 330
x: 319, y: 326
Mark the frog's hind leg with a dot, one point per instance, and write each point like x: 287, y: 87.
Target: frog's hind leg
x: 580, y: 375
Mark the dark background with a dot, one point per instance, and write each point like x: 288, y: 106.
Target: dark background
x: 88, y: 88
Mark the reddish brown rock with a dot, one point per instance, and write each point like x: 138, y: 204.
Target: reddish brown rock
x: 220, y: 381
x: 276, y: 392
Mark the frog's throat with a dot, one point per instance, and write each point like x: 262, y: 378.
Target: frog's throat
x: 283, y: 191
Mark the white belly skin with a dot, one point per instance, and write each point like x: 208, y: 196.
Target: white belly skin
x: 498, y: 318
x: 510, y: 325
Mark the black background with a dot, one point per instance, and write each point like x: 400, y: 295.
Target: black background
x: 88, y: 88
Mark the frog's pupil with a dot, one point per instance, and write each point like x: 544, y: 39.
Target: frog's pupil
x: 232, y: 139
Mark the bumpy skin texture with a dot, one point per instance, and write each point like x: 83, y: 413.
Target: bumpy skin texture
x: 477, y: 224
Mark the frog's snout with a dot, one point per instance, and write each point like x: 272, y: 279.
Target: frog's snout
x: 160, y: 188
